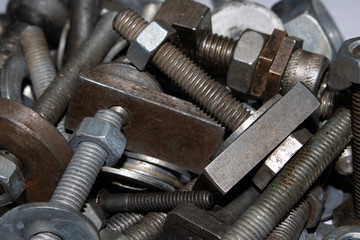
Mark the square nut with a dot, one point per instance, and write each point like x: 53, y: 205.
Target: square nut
x: 148, y: 42
x: 243, y: 63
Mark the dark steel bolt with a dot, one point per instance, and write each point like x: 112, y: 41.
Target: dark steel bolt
x: 148, y: 228
x: 328, y: 103
x: 36, y: 52
x: 161, y: 201
x: 54, y: 101
x: 217, y: 50
x: 293, y: 225
x: 294, y: 179
x: 122, y: 221
x: 204, y: 90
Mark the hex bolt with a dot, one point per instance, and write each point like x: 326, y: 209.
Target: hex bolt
x: 36, y: 52
x: 294, y: 179
x: 161, y: 201
x: 148, y: 228
x: 204, y: 90
x: 54, y: 101
x: 86, y: 163
x: 293, y: 225
x: 348, y: 67
x: 122, y: 221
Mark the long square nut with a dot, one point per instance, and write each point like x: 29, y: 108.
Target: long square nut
x: 255, y: 143
x: 160, y: 125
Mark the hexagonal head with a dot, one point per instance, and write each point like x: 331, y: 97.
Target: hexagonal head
x: 11, y: 180
x: 348, y: 60
x: 148, y: 42
x: 310, y: 20
x: 242, y: 66
x: 103, y: 133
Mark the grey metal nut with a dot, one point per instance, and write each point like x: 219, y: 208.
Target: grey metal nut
x: 102, y: 133
x: 148, y: 42
x: 11, y: 180
x: 309, y: 20
x: 316, y: 199
x: 243, y: 64
x: 95, y: 213
x: 348, y: 60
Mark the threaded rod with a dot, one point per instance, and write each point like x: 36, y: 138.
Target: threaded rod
x: 162, y: 201
x: 356, y: 145
x: 204, y: 90
x: 294, y: 179
x: 122, y: 221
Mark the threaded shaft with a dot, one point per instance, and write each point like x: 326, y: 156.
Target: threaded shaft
x: 148, y: 228
x: 356, y: 144
x: 36, y: 51
x: 161, y: 201
x: 54, y: 101
x: 122, y: 221
x: 327, y: 104
x: 294, y: 179
x: 217, y: 50
x: 79, y: 176
x: 293, y: 225
x: 204, y: 90
x: 110, y: 116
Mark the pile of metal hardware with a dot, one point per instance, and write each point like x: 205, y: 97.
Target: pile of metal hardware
x: 173, y: 119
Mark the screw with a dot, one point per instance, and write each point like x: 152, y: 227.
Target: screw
x: 148, y: 228
x: 122, y: 221
x: 293, y: 224
x: 54, y: 101
x: 205, y: 91
x: 161, y: 201
x: 85, y: 165
x: 294, y: 179
x: 36, y: 52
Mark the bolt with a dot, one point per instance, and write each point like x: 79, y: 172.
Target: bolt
x: 204, y: 90
x: 85, y: 165
x: 348, y: 67
x: 294, y: 179
x: 122, y: 221
x: 149, y: 227
x: 54, y: 101
x: 293, y: 224
x: 161, y: 201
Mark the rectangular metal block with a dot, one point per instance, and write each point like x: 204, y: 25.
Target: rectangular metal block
x: 255, y: 143
x: 160, y: 125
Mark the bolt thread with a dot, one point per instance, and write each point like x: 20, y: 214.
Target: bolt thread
x: 327, y: 104
x: 45, y: 236
x: 79, y: 176
x: 129, y: 24
x: 293, y: 225
x: 217, y: 50
x: 148, y: 228
x: 294, y: 179
x: 204, y: 90
x: 356, y: 145
x: 162, y: 201
x: 54, y: 101
x: 122, y: 221
x: 110, y: 116
x: 36, y: 51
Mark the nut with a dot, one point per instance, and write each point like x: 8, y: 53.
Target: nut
x: 348, y: 60
x: 101, y: 132
x: 95, y: 213
x: 11, y: 180
x: 316, y: 199
x: 148, y: 42
x: 309, y: 20
x: 242, y: 66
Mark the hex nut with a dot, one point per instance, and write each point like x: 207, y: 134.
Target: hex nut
x: 11, y: 180
x: 148, y: 42
x: 243, y: 64
x: 95, y: 213
x: 103, y: 133
x: 348, y: 60
x: 310, y: 20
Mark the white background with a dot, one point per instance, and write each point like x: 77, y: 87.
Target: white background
x: 345, y: 14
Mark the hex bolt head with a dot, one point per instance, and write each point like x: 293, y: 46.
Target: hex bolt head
x: 348, y: 60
